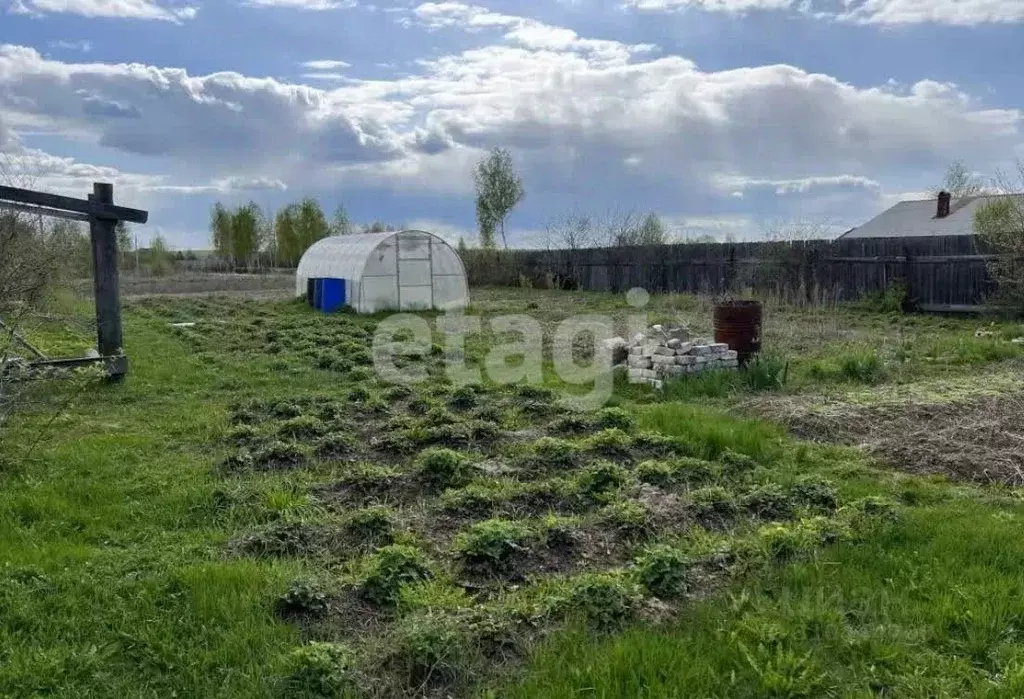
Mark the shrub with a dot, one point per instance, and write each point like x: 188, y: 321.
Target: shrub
x: 439, y: 415
x: 815, y: 493
x: 320, y: 669
x: 694, y: 472
x: 629, y: 517
x: 659, y: 473
x: 488, y: 413
x: 560, y: 532
x: 336, y: 445
x: 617, y: 418
x: 244, y: 435
x: 302, y: 427
x: 392, y: 567
x: 782, y: 542
x: 281, y: 539
x: 715, y: 503
x: 531, y: 392
x: 372, y: 523
x: 550, y: 453
x: 572, y: 424
x: 737, y: 463
x: 603, y: 600
x: 613, y: 443
x: 464, y: 397
x: 602, y: 477
x: 285, y: 409
x: 769, y: 502
x: 359, y: 394
x: 492, y: 545
x: 278, y: 455
x: 444, y: 467
x: 430, y: 648
x: 302, y: 598
x: 395, y: 393
x: 663, y: 571
x: 474, y: 500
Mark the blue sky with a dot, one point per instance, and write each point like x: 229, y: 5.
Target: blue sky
x: 741, y: 117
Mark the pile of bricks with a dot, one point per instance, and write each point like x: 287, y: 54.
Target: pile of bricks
x: 667, y: 353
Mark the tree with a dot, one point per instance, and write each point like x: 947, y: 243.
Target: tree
x: 247, y: 224
x: 960, y: 182
x: 340, y: 223
x: 287, y: 235
x: 498, y: 190
x: 311, y: 224
x: 222, y: 230
x: 630, y: 230
x: 160, y: 262
x: 999, y: 222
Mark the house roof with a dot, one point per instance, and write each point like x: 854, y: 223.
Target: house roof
x: 916, y: 219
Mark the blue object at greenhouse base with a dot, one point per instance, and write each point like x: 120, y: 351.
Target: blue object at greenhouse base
x: 332, y: 294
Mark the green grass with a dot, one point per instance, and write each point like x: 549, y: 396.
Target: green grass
x: 118, y: 579
x: 931, y: 609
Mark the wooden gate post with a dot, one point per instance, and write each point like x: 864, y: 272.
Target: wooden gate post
x: 102, y: 232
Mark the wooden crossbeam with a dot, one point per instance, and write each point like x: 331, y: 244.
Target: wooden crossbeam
x: 95, y: 209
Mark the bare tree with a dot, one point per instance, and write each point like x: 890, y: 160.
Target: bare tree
x: 960, y: 182
x: 498, y: 190
x: 999, y: 222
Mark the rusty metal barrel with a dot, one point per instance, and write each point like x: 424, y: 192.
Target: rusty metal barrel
x: 738, y: 324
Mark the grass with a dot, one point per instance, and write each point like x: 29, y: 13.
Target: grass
x: 140, y: 561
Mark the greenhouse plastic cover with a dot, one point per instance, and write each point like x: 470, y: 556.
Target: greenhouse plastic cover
x: 403, y: 270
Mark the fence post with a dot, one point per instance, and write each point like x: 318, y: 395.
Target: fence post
x: 102, y: 234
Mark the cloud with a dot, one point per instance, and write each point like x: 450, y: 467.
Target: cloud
x: 123, y: 9
x: 82, y: 45
x: 804, y: 185
x: 524, y: 31
x: 879, y: 12
x: 587, y: 120
x: 309, y: 5
x: 218, y: 121
x: 326, y: 65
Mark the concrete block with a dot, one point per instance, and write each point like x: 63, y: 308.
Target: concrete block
x: 684, y: 348
x: 674, y: 343
x: 686, y: 359
x: 731, y: 354
x: 636, y: 351
x: 719, y: 347
x: 663, y: 360
x: 639, y: 362
x: 702, y: 350
x: 664, y: 351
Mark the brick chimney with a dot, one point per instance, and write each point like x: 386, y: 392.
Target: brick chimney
x: 945, y: 198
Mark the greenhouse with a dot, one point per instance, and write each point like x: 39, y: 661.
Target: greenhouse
x: 396, y: 270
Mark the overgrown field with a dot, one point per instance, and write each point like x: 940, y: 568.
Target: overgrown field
x: 254, y: 513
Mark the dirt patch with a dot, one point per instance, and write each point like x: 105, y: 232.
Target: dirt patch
x: 980, y: 441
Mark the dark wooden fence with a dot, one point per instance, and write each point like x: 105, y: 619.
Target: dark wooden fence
x: 940, y: 273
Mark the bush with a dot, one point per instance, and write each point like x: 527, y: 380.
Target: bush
x: 464, y: 397
x: 663, y: 571
x: 715, y: 503
x: 320, y: 669
x: 302, y: 598
x: 550, y: 453
x: 628, y: 517
x: 769, y: 502
x: 278, y: 455
x: 372, y: 523
x: 602, y: 477
x: 815, y: 493
x: 335, y: 446
x: 492, y: 545
x: 612, y: 443
x: 572, y: 424
x: 430, y: 648
x: 393, y: 567
x: 659, y: 473
x: 604, y: 601
x: 862, y: 367
x: 617, y: 418
x: 444, y: 467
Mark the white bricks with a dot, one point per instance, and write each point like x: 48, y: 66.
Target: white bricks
x: 668, y: 353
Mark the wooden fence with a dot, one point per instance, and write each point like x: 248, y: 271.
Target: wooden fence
x: 945, y: 273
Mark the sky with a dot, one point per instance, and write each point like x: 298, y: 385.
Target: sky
x: 742, y: 118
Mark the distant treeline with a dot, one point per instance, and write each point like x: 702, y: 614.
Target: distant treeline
x: 248, y: 238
